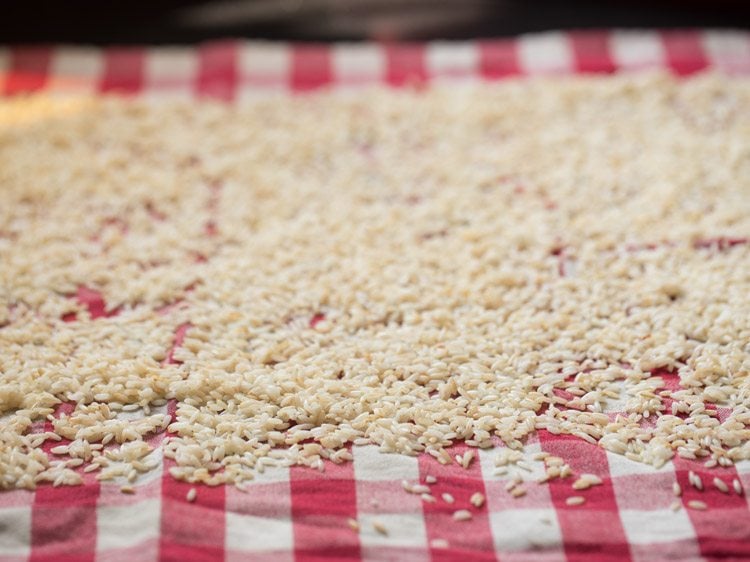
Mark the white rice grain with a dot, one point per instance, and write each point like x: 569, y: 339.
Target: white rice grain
x: 462, y: 515
x: 575, y: 500
x: 477, y: 499
x: 721, y: 485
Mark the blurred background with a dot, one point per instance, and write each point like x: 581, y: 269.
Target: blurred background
x: 187, y: 21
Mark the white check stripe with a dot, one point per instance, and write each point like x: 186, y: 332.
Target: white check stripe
x: 132, y: 521
x: 660, y: 525
x: 15, y: 531
x: 263, y: 67
x: 452, y: 60
x: 259, y: 520
x: 743, y: 475
x: 487, y: 459
x: 635, y: 50
x: 620, y: 465
x: 249, y: 533
x: 518, y: 532
x: 15, y: 521
x: 404, y: 529
x: 16, y: 498
x: 170, y: 72
x: 371, y: 464
x: 743, y: 468
x: 728, y: 51
x: 651, y: 526
x: 123, y: 526
x: 75, y: 69
x: 373, y: 471
x: 358, y: 64
x: 269, y: 475
x: 546, y: 53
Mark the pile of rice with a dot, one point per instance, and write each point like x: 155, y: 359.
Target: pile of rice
x: 398, y: 268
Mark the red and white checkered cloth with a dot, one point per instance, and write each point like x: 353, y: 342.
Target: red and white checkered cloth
x: 301, y: 514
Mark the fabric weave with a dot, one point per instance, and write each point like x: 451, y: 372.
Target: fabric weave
x: 301, y: 514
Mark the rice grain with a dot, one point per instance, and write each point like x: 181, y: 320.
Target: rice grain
x: 340, y: 276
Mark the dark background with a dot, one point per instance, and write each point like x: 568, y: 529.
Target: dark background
x: 170, y: 21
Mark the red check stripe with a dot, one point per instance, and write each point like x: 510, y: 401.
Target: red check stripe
x: 190, y: 530
x: 322, y: 503
x: 405, y: 64
x: 28, y: 70
x: 57, y: 510
x: 217, y: 71
x: 311, y: 67
x: 591, y: 52
x: 592, y: 532
x: 685, y: 51
x: 723, y: 531
x: 498, y: 59
x: 123, y: 70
